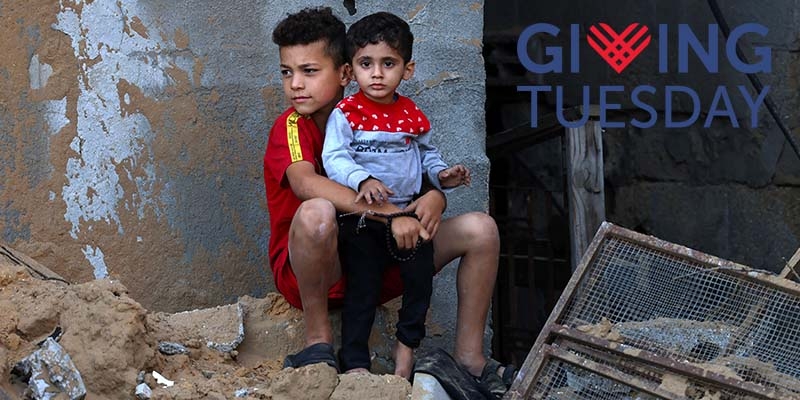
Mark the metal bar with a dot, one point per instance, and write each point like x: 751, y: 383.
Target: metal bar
x: 667, y: 363
x: 524, y: 381
x: 713, y: 263
x: 524, y: 135
x: 612, y: 373
x: 790, y: 270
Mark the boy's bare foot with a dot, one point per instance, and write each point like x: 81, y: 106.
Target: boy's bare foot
x: 357, y: 371
x: 403, y: 360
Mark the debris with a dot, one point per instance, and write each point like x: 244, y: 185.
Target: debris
x: 50, y: 371
x: 143, y: 392
x: 113, y: 341
x: 161, y: 380
x: 171, y: 348
x: 222, y: 327
x: 229, y: 346
x: 426, y: 387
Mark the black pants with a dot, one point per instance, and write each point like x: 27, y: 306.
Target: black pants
x: 364, y: 257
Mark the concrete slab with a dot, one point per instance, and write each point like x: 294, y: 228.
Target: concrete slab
x: 222, y: 327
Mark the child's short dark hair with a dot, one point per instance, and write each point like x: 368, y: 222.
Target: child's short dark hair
x: 310, y: 25
x: 380, y: 27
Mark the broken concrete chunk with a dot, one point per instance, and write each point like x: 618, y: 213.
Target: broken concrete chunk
x: 161, y: 380
x: 143, y: 392
x: 50, y: 372
x: 222, y: 328
x: 172, y: 348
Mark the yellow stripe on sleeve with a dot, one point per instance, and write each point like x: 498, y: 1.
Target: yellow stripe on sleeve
x: 293, y: 137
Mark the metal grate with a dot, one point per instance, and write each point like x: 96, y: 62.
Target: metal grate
x: 579, y: 372
x: 667, y: 307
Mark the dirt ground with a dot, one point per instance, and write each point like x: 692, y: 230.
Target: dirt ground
x: 114, y: 343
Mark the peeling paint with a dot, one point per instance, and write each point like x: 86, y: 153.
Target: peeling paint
x: 96, y: 258
x: 181, y: 39
x: 139, y: 27
x: 39, y: 73
x: 94, y: 190
x: 477, y: 42
x: 441, y: 78
x: 56, y: 112
x: 419, y: 13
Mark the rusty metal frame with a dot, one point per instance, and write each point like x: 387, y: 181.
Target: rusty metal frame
x: 790, y: 270
x: 530, y: 369
x: 557, y: 353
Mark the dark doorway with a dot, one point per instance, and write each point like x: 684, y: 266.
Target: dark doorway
x: 528, y: 201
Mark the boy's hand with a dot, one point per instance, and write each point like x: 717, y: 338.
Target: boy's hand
x: 406, y: 230
x: 455, y: 176
x: 429, y: 208
x: 371, y: 190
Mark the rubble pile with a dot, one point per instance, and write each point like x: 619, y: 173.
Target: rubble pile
x: 91, y: 340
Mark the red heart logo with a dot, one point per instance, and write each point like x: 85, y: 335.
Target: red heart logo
x: 615, y: 48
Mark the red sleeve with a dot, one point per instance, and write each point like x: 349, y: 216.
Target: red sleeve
x: 288, y: 143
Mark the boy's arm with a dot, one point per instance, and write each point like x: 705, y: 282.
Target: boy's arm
x: 307, y: 184
x: 337, y: 154
x: 432, y: 162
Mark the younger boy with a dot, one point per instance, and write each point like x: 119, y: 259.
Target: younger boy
x: 378, y: 143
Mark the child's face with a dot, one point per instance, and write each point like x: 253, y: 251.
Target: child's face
x: 378, y: 69
x: 311, y: 81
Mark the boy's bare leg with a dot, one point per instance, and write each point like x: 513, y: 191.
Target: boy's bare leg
x: 474, y: 238
x: 315, y: 262
x: 403, y: 360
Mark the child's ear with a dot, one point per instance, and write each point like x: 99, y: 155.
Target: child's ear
x: 345, y: 74
x: 409, y: 70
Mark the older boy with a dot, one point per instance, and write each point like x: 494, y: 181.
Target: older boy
x: 303, y: 202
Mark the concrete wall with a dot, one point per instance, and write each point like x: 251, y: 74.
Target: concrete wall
x: 732, y: 192
x: 132, y: 135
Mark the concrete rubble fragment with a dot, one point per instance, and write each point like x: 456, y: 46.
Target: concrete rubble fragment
x: 229, y: 346
x: 161, y: 380
x: 426, y: 387
x: 50, y: 372
x: 172, y: 348
x: 222, y: 328
x: 143, y: 392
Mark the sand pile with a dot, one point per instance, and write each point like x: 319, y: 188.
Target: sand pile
x: 114, y: 344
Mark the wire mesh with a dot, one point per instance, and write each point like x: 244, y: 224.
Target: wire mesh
x: 568, y: 380
x: 689, y: 312
x: 564, y: 381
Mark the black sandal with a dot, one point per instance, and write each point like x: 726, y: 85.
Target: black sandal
x: 455, y: 379
x: 496, y: 383
x: 316, y: 353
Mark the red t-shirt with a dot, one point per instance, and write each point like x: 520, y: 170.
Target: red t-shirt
x: 293, y: 138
